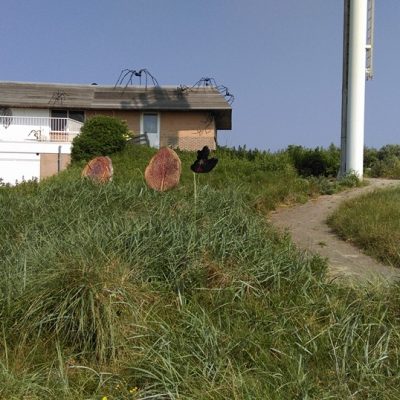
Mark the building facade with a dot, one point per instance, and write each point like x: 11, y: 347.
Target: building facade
x: 39, y: 121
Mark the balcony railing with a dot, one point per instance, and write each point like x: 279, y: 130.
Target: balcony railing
x: 42, y: 129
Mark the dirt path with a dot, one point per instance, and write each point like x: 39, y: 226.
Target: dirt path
x: 307, y: 226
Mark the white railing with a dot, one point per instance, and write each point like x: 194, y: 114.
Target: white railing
x: 39, y: 128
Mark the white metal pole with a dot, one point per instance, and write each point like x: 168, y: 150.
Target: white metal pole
x: 356, y: 86
x: 345, y: 88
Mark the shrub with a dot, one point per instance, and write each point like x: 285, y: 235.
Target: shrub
x: 370, y: 157
x: 384, y: 162
x: 315, y: 162
x: 387, y: 168
x: 389, y: 151
x: 100, y: 136
x: 350, y: 180
x: 264, y: 159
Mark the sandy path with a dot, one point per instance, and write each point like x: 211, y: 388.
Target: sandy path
x: 307, y: 226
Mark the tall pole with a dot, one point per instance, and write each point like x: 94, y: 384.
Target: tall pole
x: 345, y: 85
x: 353, y: 94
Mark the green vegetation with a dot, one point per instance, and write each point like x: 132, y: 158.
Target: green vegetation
x: 100, y: 136
x: 320, y: 162
x: 315, y: 162
x: 372, y: 222
x: 115, y: 290
x: 384, y: 162
x: 255, y: 164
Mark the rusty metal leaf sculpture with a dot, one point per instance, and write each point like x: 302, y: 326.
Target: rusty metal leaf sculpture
x: 99, y: 169
x: 164, y: 170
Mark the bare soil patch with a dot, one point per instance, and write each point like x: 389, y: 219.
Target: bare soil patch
x: 307, y: 225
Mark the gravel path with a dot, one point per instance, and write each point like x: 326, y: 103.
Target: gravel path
x: 307, y: 225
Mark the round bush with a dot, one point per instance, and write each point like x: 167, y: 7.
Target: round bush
x: 100, y: 136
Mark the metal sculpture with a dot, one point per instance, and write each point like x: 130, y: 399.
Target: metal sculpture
x: 209, y: 82
x: 58, y: 97
x: 127, y: 76
x: 164, y: 170
x: 203, y: 164
x: 99, y: 169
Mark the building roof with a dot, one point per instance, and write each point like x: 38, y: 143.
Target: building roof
x: 100, y: 97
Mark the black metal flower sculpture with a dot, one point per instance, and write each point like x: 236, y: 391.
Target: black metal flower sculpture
x: 203, y: 163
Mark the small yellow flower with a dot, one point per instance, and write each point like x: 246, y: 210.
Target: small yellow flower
x: 133, y: 390
x: 104, y: 398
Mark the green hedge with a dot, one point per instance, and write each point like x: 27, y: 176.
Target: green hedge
x: 100, y: 136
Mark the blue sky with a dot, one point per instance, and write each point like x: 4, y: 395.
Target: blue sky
x: 282, y: 59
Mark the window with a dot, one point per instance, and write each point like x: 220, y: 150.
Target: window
x: 150, y: 123
x: 77, y: 115
x: 59, y: 113
x: 150, y: 126
x: 60, y: 124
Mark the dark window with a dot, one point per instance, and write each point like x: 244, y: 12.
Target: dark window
x: 77, y: 115
x: 59, y: 113
x: 60, y: 124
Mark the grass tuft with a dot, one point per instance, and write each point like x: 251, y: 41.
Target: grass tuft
x: 372, y: 222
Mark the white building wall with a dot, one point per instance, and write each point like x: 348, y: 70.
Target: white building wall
x: 19, y: 130
x: 20, y: 161
x: 19, y: 167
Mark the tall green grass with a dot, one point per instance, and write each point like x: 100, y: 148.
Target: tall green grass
x: 264, y: 179
x: 123, y: 292
x: 372, y: 222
